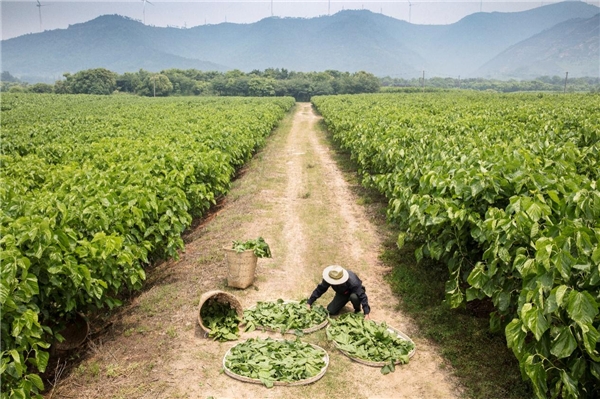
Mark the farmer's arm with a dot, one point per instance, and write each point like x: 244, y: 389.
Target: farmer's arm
x: 364, y: 301
x: 320, y: 290
x: 356, y: 287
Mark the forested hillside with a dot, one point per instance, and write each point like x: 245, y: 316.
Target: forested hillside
x: 351, y: 40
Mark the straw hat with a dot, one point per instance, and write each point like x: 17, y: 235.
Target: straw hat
x: 335, y: 275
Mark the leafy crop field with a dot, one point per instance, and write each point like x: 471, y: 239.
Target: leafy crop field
x: 505, y: 190
x: 92, y: 190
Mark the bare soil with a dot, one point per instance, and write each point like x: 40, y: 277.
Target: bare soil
x: 294, y: 195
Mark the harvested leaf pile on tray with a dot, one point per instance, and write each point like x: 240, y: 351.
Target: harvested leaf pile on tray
x: 376, y: 343
x: 273, y: 362
x: 284, y: 316
x: 221, y: 319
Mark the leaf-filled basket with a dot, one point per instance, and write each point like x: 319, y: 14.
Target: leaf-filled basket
x: 241, y: 267
x: 221, y: 297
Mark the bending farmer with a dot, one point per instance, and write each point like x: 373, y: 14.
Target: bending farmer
x: 347, y: 287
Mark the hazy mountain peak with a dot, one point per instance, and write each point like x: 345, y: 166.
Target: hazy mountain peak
x: 349, y: 40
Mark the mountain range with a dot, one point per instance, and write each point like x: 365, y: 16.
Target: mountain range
x: 548, y: 40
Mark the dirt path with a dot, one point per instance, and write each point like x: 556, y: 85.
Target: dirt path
x: 296, y: 198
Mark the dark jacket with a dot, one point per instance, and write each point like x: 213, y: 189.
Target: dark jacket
x: 352, y: 286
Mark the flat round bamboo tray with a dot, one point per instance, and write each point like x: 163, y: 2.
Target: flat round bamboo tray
x: 222, y: 297
x: 305, y: 381
x: 371, y: 363
x: 292, y: 331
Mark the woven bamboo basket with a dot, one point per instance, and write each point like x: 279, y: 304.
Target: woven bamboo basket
x: 75, y: 334
x: 222, y: 297
x: 304, y: 330
x: 380, y: 364
x: 305, y: 381
x: 241, y: 267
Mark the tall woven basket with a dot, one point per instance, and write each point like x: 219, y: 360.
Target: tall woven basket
x: 241, y: 267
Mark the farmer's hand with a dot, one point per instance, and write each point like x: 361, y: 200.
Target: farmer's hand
x: 367, y: 317
x: 308, y: 306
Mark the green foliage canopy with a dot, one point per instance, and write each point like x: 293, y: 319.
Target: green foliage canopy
x: 91, y: 81
x: 94, y: 189
x: 504, y: 189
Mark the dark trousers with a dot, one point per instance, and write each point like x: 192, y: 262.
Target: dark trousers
x: 340, y: 300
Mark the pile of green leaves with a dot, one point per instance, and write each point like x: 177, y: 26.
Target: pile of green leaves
x: 284, y: 316
x: 368, y: 340
x: 259, y: 246
x: 221, y: 319
x: 270, y: 360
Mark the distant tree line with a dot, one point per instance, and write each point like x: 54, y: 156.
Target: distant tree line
x: 177, y: 82
x: 543, y: 83
x: 275, y: 82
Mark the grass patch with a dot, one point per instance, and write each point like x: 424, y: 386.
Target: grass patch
x: 481, y: 359
x: 158, y: 299
x: 172, y: 332
x: 88, y: 372
x: 482, y: 362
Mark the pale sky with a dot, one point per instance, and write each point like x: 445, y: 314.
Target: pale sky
x: 20, y: 17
